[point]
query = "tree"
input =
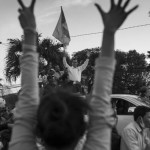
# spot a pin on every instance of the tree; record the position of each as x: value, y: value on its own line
x: 129, y: 68
x: 12, y: 69
x: 48, y: 51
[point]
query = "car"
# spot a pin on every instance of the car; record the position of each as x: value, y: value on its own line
x: 125, y: 105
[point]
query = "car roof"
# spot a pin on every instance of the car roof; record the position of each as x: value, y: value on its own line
x: 134, y: 99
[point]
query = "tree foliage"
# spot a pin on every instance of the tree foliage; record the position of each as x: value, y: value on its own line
x: 129, y: 68
x: 128, y: 74
x: 12, y: 69
x: 49, y: 51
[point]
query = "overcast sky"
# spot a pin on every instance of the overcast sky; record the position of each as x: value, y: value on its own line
x: 82, y: 18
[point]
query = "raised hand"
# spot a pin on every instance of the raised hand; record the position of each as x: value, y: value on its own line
x: 26, y: 17
x: 88, y: 54
x: 116, y: 15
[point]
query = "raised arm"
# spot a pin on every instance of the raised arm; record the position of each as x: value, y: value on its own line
x: 23, y: 136
x: 101, y: 122
x: 64, y: 58
x: 112, y: 22
x: 85, y: 64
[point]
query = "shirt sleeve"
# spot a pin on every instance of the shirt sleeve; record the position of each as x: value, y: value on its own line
x: 23, y: 134
x: 84, y: 65
x: 130, y: 139
x: 101, y: 121
x: 65, y: 62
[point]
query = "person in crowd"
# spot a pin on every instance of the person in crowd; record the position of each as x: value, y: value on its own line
x: 49, y: 67
x: 59, y: 116
x: 6, y: 122
x: 115, y: 137
x: 136, y: 135
x: 145, y: 94
x: 58, y: 73
x: 75, y: 72
x: 51, y: 78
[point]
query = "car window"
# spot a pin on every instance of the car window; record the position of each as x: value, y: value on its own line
x: 122, y: 106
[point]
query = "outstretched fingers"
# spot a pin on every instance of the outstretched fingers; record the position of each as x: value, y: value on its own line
x: 100, y: 9
x: 32, y: 5
x: 21, y: 4
x: 119, y: 3
x: 132, y: 9
x: 112, y: 4
x: 126, y: 4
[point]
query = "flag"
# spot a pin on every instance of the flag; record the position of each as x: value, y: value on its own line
x: 61, y: 31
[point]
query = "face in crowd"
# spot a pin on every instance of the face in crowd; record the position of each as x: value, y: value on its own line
x: 57, y: 68
x: 142, y: 116
x: 74, y: 63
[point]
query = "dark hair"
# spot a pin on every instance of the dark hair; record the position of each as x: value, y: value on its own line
x: 74, y: 59
x: 143, y: 91
x: 140, y: 111
x: 61, y: 119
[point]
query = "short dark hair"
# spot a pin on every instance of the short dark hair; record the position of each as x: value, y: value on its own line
x: 74, y: 59
x: 140, y: 111
x: 142, y: 91
x: 60, y: 118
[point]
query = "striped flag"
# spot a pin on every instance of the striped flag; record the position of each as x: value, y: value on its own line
x: 61, y: 31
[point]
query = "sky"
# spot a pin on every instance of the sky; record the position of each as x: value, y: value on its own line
x: 82, y: 18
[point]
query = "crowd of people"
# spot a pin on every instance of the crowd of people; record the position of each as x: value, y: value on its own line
x: 70, y: 78
x: 61, y: 119
x: 6, y: 122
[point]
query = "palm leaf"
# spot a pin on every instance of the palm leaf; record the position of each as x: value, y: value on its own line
x: 12, y: 69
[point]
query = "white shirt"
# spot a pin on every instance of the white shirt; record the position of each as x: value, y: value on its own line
x: 133, y: 137
x: 75, y: 73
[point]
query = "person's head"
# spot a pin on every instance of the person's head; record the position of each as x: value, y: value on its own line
x: 57, y: 68
x: 142, y: 116
x: 74, y: 63
x: 61, y: 119
x: 144, y: 91
x: 50, y: 65
x: 51, y: 72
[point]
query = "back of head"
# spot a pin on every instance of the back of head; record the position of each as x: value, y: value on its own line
x: 140, y: 111
x: 61, y: 119
x: 143, y: 91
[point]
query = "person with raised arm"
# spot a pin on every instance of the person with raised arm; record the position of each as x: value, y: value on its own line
x: 59, y: 118
x: 75, y: 71
x: 23, y: 134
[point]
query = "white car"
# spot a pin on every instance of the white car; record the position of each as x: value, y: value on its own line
x: 125, y: 105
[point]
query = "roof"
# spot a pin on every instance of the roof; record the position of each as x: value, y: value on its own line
x: 134, y: 99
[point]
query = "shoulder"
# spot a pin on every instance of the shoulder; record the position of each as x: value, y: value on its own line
x: 130, y: 128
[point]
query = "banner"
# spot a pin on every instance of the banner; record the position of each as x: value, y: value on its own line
x: 61, y: 31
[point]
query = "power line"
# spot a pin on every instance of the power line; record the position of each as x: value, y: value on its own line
x: 5, y: 44
x: 119, y: 29
x: 86, y: 34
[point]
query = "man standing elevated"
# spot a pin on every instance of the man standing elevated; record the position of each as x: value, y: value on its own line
x: 75, y: 72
